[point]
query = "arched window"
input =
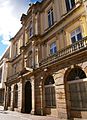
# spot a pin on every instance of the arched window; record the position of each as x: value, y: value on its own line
x: 75, y: 74
x: 50, y: 92
x: 16, y: 96
x: 77, y: 88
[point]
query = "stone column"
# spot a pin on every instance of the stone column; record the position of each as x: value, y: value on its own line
x: 6, y: 98
x: 41, y: 95
x: 33, y: 94
x: 23, y: 96
x: 12, y: 97
x: 33, y: 54
x: 20, y: 96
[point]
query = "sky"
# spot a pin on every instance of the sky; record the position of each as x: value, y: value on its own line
x: 10, y: 14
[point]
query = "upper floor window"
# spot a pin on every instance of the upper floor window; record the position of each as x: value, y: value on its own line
x: 16, y: 48
x: 50, y: 17
x: 70, y: 4
x: 76, y: 35
x: 14, y: 68
x: 30, y: 29
x: 53, y: 48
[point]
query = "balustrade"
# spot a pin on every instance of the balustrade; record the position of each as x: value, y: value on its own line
x: 79, y: 45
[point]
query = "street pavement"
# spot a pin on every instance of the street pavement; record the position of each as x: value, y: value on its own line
x: 12, y: 115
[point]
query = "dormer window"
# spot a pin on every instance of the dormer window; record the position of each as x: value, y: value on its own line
x: 70, y: 4
x: 50, y: 17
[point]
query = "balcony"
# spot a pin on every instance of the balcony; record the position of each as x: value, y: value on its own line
x: 75, y: 48
x: 13, y: 77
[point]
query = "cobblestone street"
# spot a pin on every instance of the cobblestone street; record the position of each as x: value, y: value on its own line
x: 11, y: 115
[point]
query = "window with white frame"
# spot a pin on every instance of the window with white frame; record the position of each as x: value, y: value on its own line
x: 30, y: 29
x: 50, y: 100
x: 76, y: 35
x: 50, y: 17
x: 53, y: 48
x: 70, y: 4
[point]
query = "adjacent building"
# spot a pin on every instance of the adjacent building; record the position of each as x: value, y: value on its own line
x: 3, y: 74
x: 48, y: 61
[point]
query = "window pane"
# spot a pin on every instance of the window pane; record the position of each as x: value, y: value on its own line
x: 51, y: 51
x: 53, y: 48
x: 67, y: 5
x: 47, y: 96
x: 53, y: 96
x: 50, y: 96
x: 79, y: 36
x: 73, y: 33
x: 50, y: 17
x: 73, y: 39
x: 78, y: 95
x: 49, y: 20
x: 73, y: 3
x: 78, y: 30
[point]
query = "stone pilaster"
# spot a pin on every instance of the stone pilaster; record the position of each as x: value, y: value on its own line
x: 60, y: 94
x: 12, y: 97
x: 33, y: 95
x: 20, y: 96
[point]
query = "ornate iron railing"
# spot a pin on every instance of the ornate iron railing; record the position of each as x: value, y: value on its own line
x: 75, y: 47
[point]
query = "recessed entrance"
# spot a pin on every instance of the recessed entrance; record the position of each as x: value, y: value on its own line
x: 28, y: 97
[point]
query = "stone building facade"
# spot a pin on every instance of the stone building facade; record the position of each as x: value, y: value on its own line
x: 48, y: 65
x: 3, y: 74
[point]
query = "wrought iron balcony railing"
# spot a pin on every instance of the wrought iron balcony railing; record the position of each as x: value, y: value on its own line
x: 69, y: 50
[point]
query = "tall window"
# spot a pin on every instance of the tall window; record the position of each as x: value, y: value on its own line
x: 70, y: 4
x: 14, y: 69
x: 50, y: 92
x: 53, y: 48
x: 77, y: 89
x: 76, y: 35
x: 16, y: 48
x: 15, y: 96
x: 50, y: 17
x: 30, y: 29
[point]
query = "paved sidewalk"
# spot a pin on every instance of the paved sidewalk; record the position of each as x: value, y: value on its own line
x: 12, y: 115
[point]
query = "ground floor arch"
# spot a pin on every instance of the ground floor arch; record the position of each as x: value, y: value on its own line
x: 28, y: 97
x: 76, y: 92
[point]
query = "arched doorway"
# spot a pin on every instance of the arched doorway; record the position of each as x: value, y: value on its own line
x: 28, y: 97
x: 76, y: 92
x: 15, y: 97
x: 9, y: 96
